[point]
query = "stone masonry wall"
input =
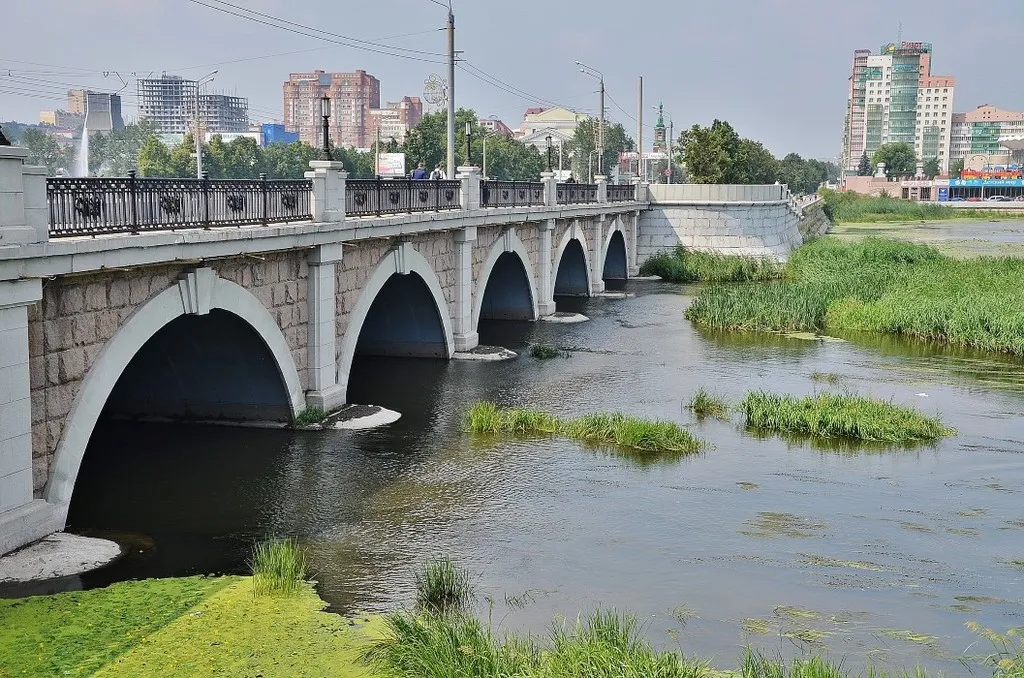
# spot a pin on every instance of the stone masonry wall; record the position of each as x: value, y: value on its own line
x: 79, y: 314
x: 763, y: 230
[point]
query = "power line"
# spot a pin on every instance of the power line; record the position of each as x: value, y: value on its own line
x: 313, y: 33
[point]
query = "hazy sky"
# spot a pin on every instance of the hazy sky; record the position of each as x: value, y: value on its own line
x: 775, y: 69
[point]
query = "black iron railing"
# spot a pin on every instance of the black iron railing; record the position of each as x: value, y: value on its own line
x: 621, y: 192
x: 511, y: 193
x: 571, y: 194
x: 365, y: 197
x: 91, y: 206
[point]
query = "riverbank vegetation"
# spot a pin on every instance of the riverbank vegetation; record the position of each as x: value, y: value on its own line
x: 884, y: 286
x: 624, y: 432
x: 547, y: 352
x: 278, y: 567
x: 856, y: 208
x: 833, y: 415
x: 683, y: 266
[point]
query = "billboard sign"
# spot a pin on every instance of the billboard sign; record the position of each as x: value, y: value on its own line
x: 978, y: 183
x: 391, y: 165
x: 943, y: 195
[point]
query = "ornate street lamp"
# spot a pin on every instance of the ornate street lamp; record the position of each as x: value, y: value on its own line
x: 469, y: 143
x: 325, y: 113
x: 550, y: 147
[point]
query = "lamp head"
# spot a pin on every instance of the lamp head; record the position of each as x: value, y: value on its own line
x: 325, y: 106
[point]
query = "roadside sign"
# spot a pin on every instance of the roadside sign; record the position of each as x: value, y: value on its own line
x: 943, y: 194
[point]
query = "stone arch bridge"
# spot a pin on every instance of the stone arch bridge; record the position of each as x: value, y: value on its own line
x: 258, y: 321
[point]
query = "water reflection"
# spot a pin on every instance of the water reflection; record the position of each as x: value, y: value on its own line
x: 916, y: 540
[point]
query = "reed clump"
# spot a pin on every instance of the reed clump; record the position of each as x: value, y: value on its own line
x: 682, y: 265
x: 629, y: 433
x: 884, y: 286
x: 547, y: 352
x: 278, y: 566
x: 605, y: 644
x: 834, y: 415
x: 442, y: 587
x: 707, y: 404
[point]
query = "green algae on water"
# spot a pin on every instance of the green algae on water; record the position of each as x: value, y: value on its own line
x: 825, y: 561
x: 772, y: 525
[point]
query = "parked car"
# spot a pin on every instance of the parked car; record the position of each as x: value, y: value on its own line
x: 957, y: 199
x: 997, y: 198
x: 974, y: 199
x: 1019, y: 198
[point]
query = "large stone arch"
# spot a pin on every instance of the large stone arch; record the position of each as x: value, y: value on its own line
x: 574, y: 232
x: 197, y: 293
x: 401, y: 260
x: 618, y: 270
x: 507, y: 242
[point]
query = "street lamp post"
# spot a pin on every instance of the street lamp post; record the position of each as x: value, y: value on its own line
x: 594, y: 73
x: 469, y: 143
x: 199, y: 139
x: 325, y: 113
x: 550, y: 148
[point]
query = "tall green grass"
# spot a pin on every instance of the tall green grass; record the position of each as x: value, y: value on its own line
x: 279, y: 566
x: 883, y: 286
x: 442, y: 587
x: 757, y: 665
x: 629, y: 433
x: 604, y: 645
x: 682, y: 265
x: 832, y: 415
x: 706, y: 404
x: 849, y: 207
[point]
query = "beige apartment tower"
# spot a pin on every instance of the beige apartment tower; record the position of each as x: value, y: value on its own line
x: 353, y: 96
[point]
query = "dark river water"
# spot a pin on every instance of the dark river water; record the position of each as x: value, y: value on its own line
x: 878, y: 556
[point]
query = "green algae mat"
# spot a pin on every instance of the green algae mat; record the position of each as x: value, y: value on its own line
x: 179, y: 627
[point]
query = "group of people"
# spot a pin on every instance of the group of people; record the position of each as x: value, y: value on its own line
x: 436, y: 174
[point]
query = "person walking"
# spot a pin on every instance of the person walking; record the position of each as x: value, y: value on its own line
x: 419, y: 173
x: 437, y: 174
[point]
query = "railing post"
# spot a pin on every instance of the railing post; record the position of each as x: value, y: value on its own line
x: 550, y: 189
x: 206, y: 199
x: 470, y: 177
x: 602, y: 187
x: 328, y: 190
x: 16, y: 221
x: 263, y: 193
x: 133, y: 200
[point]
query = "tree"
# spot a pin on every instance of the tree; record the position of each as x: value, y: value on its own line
x: 155, y: 159
x: 864, y: 167
x: 708, y: 152
x: 115, y: 153
x: 427, y: 143
x: 584, y: 143
x: 288, y: 161
x: 899, y: 159
x: 931, y: 168
x: 956, y: 167
x: 45, y: 151
x: 754, y: 164
x: 512, y: 160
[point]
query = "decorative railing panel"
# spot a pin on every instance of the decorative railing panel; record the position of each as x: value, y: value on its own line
x: 372, y: 197
x: 621, y: 192
x: 572, y: 194
x: 91, y: 206
x: 511, y: 193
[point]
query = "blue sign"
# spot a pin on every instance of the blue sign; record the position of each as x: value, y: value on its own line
x: 943, y: 194
x: 978, y: 183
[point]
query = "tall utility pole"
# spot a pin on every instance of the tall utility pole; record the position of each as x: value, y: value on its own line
x: 640, y: 128
x: 198, y: 132
x: 451, y: 92
x: 594, y: 73
x: 671, y: 127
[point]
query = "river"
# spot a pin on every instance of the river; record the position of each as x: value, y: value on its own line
x: 879, y: 556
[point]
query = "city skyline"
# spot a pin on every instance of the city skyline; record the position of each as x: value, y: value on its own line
x: 794, y: 100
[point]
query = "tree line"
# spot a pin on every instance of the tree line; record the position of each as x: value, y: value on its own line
x: 901, y: 161
x: 718, y: 155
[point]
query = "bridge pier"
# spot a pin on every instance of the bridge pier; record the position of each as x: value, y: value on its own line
x: 466, y: 338
x: 545, y: 290
x: 322, y: 368
x: 595, y: 235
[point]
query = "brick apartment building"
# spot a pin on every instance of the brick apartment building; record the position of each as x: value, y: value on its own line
x: 353, y: 97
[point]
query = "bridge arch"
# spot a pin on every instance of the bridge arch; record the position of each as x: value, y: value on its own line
x: 198, y: 294
x: 616, y: 255
x: 402, y: 270
x: 505, y: 287
x: 572, y: 265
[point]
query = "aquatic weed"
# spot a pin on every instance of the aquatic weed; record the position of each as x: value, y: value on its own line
x: 278, y: 567
x: 705, y: 404
x: 442, y: 587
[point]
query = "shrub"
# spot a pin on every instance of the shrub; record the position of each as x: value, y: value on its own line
x: 310, y: 415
